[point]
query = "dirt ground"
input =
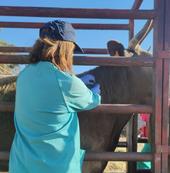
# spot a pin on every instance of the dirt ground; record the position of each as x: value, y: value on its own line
x: 119, y: 167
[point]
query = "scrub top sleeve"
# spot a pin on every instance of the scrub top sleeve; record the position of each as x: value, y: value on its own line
x: 78, y: 97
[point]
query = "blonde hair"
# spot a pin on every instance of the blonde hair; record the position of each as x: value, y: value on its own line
x: 60, y: 53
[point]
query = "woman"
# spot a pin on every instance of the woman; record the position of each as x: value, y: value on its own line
x: 48, y: 97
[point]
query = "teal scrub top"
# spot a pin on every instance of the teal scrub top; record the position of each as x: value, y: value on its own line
x: 47, y: 138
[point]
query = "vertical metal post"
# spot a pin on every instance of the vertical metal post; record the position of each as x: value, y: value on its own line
x: 136, y: 6
x: 131, y: 29
x: 132, y: 124
x: 165, y: 116
x: 165, y: 110
x: 156, y: 119
x: 132, y: 141
x: 159, y: 86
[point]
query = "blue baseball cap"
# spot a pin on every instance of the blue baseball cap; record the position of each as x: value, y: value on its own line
x: 59, y: 30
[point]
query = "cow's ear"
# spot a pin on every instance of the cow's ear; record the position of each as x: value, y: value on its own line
x: 114, y: 46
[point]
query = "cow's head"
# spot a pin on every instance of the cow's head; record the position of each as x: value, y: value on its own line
x: 117, y: 49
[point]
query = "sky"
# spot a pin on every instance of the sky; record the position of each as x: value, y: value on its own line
x: 85, y: 38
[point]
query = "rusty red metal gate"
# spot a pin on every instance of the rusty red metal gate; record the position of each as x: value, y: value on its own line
x: 160, y: 63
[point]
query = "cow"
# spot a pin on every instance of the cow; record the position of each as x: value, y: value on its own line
x: 117, y: 85
x: 99, y: 132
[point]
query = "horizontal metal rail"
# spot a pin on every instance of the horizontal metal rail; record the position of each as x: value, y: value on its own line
x: 75, y: 25
x: 76, y: 13
x: 103, y: 108
x: 114, y: 61
x: 122, y: 108
x: 123, y: 144
x: 144, y: 171
x: 12, y: 49
x: 143, y: 140
x: 107, y: 156
x: 86, y: 60
x: 118, y: 156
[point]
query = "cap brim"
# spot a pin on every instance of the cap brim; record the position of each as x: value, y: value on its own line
x: 78, y: 49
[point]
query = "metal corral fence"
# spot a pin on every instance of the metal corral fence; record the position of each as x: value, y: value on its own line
x: 159, y: 62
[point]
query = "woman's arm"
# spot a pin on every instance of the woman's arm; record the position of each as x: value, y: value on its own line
x: 78, y: 97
